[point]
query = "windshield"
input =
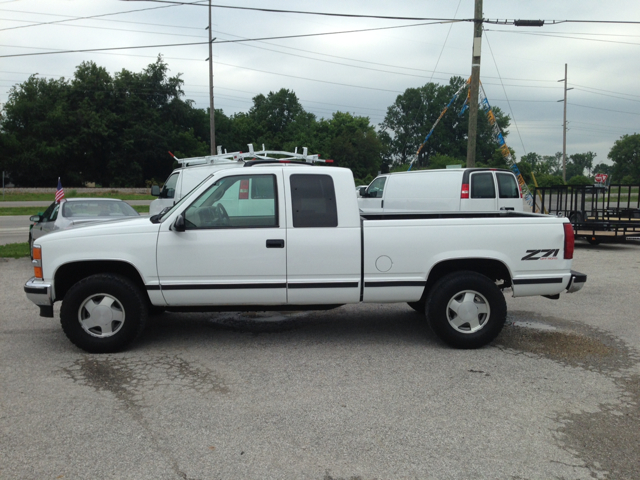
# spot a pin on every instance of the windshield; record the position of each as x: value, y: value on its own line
x: 164, y: 214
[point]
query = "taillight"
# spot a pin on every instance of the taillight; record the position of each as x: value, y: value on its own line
x: 464, y: 193
x: 569, y: 241
x: 520, y: 189
x: 37, y: 262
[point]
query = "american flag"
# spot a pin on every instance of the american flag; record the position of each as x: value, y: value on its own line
x: 59, y: 191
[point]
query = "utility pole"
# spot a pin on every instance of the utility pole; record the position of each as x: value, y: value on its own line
x: 474, y: 87
x: 564, y: 126
x: 212, y: 120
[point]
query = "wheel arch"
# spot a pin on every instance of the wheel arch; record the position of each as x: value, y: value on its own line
x: 494, y: 269
x: 69, y: 274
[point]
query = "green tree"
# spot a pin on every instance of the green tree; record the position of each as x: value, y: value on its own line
x: 603, y: 168
x: 531, y: 158
x: 352, y: 143
x: 413, y: 114
x: 579, y: 162
x: 579, y: 180
x: 112, y: 130
x: 625, y: 155
x: 34, y: 131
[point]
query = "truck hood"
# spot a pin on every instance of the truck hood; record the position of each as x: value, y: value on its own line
x: 102, y: 228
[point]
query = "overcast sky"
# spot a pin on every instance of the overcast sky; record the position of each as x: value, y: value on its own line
x: 359, y: 72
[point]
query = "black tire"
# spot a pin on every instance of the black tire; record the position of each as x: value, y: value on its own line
x: 466, y: 309
x: 418, y: 306
x: 119, y: 313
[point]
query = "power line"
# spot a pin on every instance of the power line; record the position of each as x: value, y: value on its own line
x: 505, y: 94
x: 216, y: 42
x: 348, y: 15
x: 605, y: 109
x: 101, y: 19
x: 124, y: 30
x: 300, y: 12
x: 565, y: 37
x: 607, y: 95
x: 86, y: 18
x: 558, y: 22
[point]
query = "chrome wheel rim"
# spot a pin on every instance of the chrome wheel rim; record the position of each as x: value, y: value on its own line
x: 101, y: 315
x: 468, y: 311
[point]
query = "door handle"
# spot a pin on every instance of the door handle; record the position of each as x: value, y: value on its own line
x: 275, y: 243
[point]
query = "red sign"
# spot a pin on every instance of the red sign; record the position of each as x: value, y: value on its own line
x: 601, y: 178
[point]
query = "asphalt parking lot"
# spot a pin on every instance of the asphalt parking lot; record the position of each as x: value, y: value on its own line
x: 358, y: 393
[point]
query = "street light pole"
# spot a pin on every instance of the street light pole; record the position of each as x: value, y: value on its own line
x: 474, y: 87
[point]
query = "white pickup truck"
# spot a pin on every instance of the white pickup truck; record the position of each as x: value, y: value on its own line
x: 287, y: 236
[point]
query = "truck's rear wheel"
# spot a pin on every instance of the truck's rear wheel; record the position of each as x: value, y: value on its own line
x: 466, y: 309
x: 103, y: 313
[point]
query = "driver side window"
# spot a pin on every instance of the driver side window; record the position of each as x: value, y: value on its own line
x: 240, y: 201
x: 376, y: 188
x: 169, y: 187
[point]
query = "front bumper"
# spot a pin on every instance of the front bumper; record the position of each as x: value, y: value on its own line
x: 40, y: 293
x: 576, y: 282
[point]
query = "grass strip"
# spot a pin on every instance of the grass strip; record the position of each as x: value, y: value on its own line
x: 15, y: 250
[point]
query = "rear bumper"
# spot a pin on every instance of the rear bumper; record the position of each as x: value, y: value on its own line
x: 576, y: 282
x: 40, y: 293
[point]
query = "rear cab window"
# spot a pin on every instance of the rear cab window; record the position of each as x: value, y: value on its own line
x: 313, y: 201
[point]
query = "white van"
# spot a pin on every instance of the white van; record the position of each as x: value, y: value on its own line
x: 181, y: 181
x: 448, y: 190
x: 194, y: 170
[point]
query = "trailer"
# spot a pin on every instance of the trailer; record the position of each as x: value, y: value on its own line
x: 599, y: 213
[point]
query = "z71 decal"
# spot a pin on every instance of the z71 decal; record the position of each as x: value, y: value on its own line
x: 541, y: 254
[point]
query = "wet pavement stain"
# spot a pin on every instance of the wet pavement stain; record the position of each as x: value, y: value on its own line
x: 606, y: 441
x: 127, y: 377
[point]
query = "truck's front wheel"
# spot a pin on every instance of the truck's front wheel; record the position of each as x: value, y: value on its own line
x: 103, y: 313
x: 466, y: 309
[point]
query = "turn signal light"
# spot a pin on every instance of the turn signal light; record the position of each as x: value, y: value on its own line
x: 37, y: 262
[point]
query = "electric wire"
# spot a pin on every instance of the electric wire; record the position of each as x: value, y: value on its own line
x: 505, y: 94
x: 535, y: 34
x: 300, y: 12
x: 86, y: 18
x: 110, y: 20
x: 384, y: 17
x: 216, y: 42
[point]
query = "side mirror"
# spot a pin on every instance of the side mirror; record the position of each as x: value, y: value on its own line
x: 35, y: 218
x: 362, y: 191
x: 155, y: 190
x: 178, y: 225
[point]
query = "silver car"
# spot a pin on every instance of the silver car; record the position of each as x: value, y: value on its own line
x: 74, y: 211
